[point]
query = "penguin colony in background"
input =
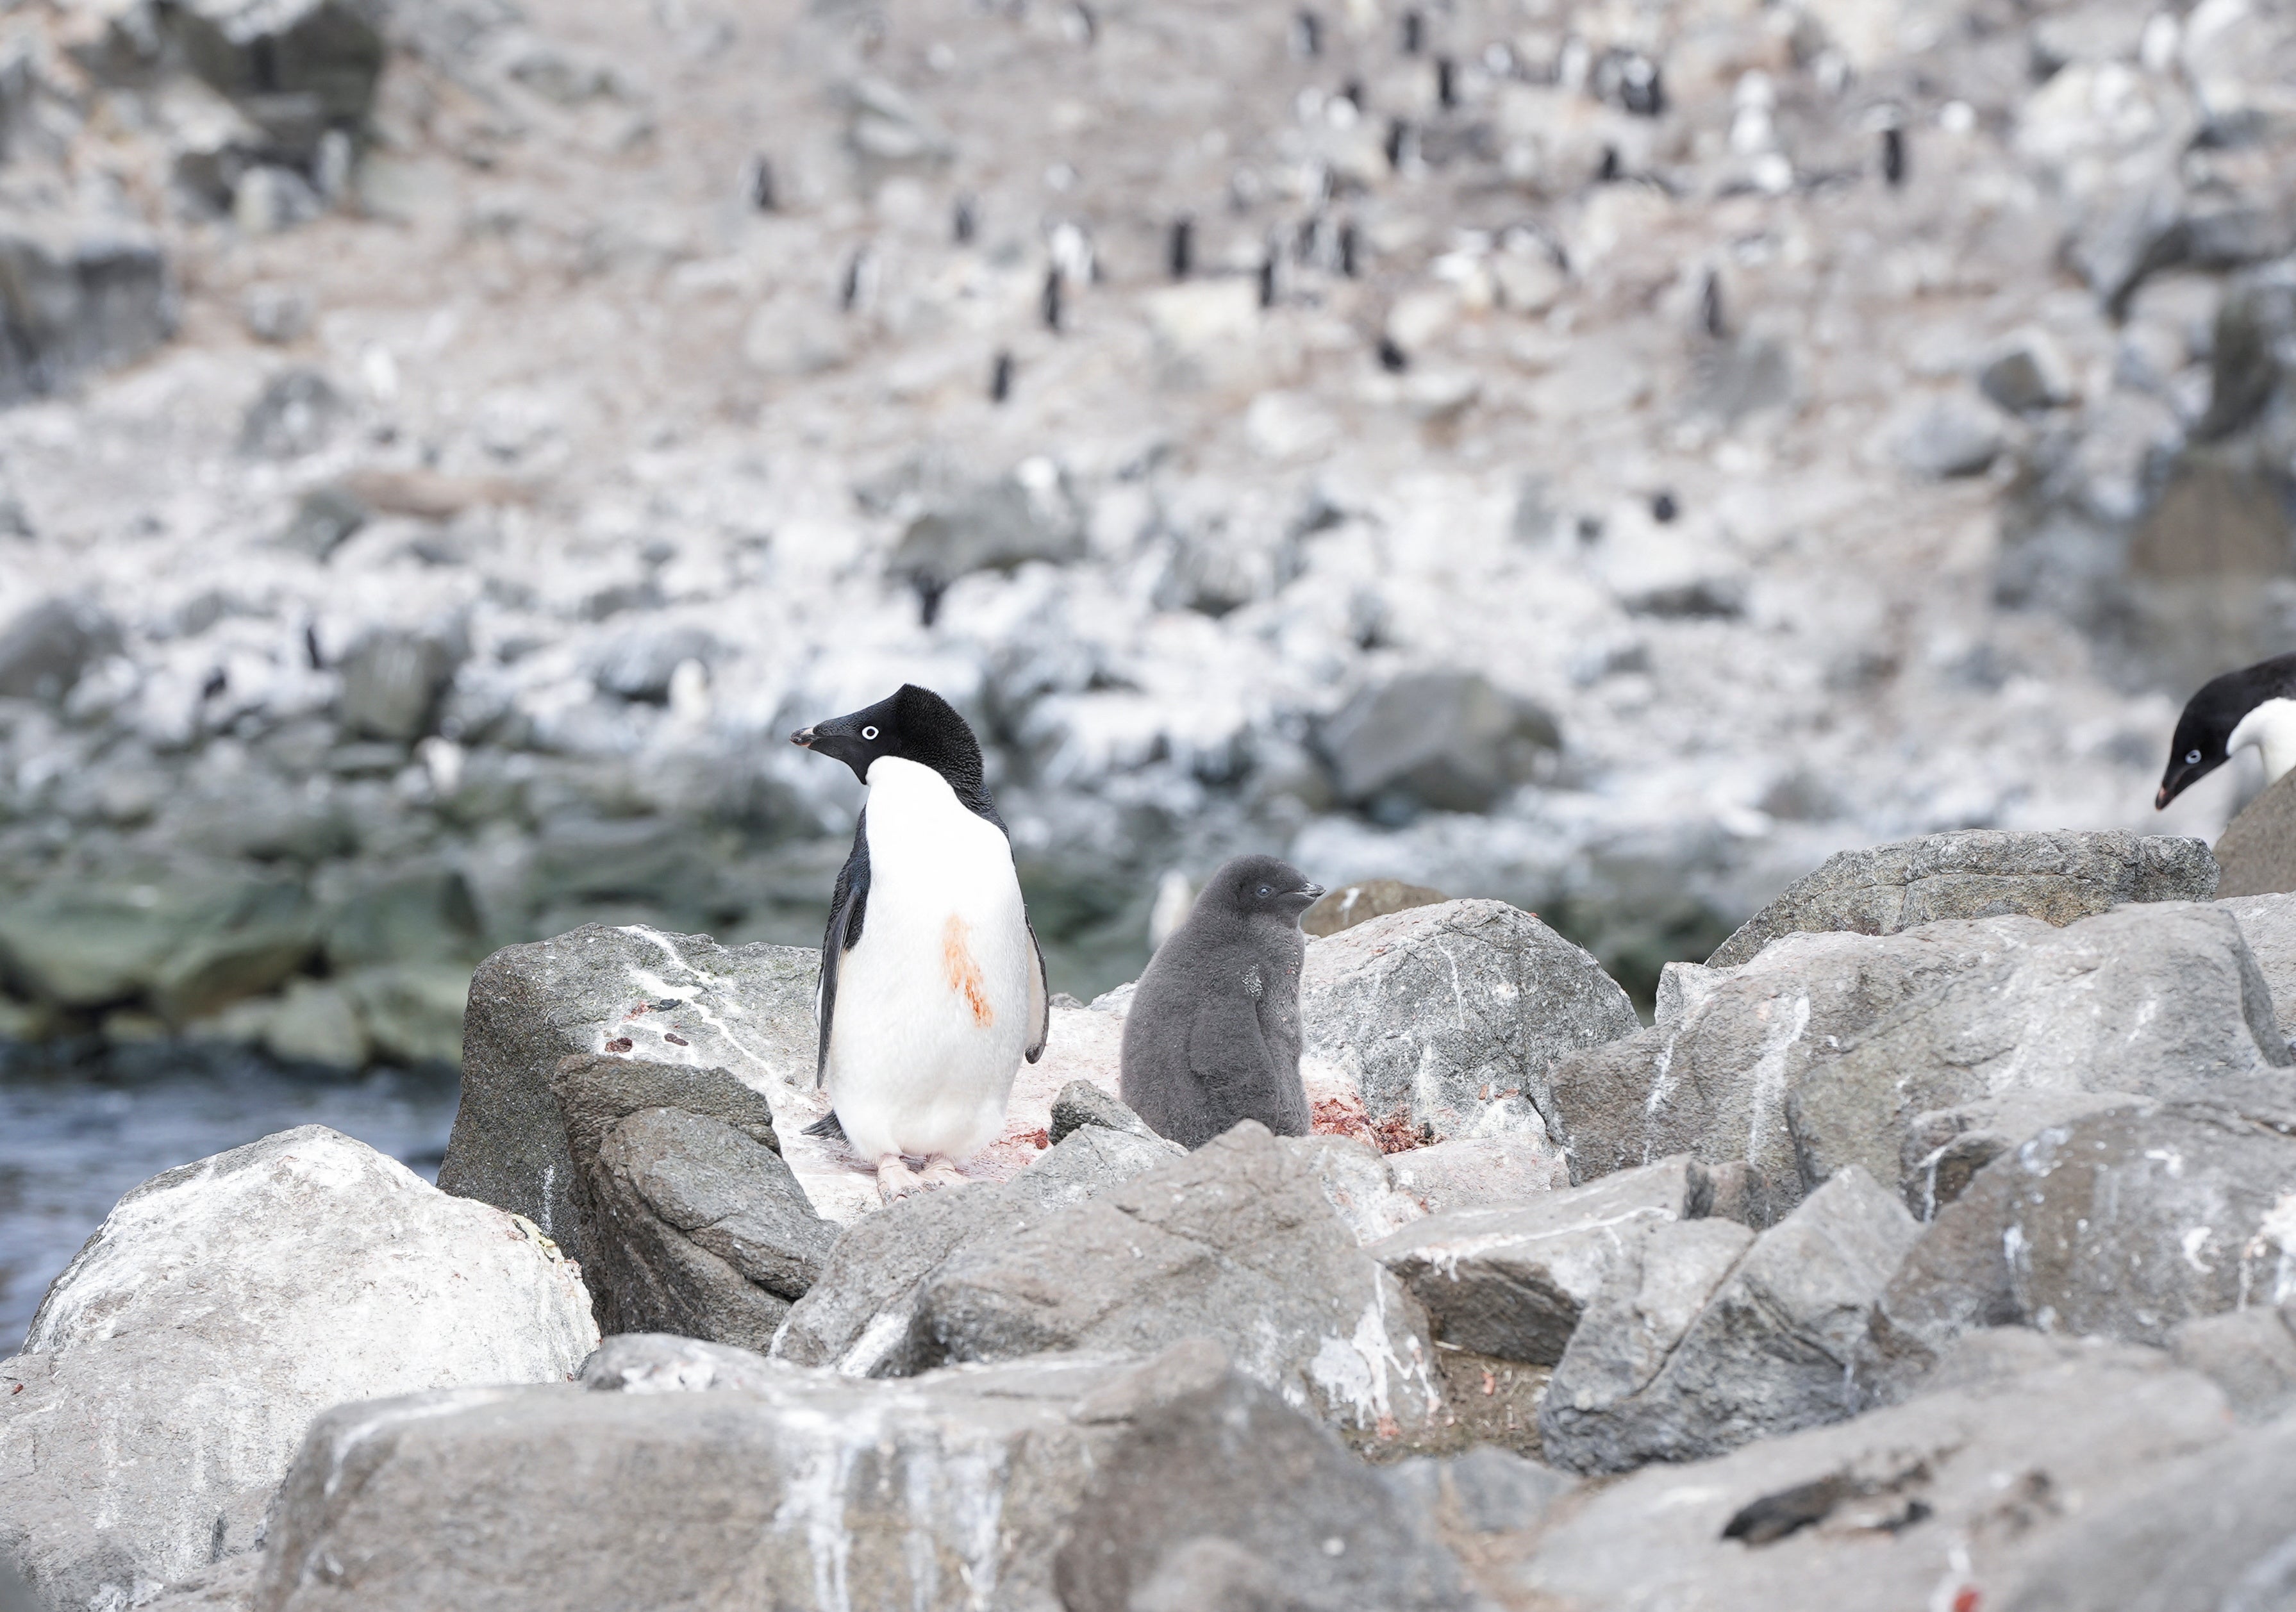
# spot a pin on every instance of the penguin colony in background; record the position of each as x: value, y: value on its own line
x: 2254, y: 706
x: 933, y: 988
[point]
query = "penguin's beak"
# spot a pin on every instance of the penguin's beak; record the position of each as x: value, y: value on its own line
x: 1314, y: 892
x: 802, y: 739
x: 2160, y: 801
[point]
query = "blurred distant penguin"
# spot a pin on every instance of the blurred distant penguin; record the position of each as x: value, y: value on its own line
x: 2255, y: 706
x: 1173, y: 901
x: 932, y: 985
x: 1213, y: 1034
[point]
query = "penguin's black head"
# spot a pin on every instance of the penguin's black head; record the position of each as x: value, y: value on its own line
x: 1257, y: 885
x: 2203, y: 740
x: 914, y: 724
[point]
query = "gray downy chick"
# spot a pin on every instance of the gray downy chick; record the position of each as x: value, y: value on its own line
x: 1213, y: 1036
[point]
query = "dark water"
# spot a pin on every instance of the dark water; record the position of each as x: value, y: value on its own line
x: 79, y: 1127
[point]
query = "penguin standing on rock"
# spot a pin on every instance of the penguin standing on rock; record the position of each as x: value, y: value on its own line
x: 933, y: 985
x: 1213, y: 1034
x: 2254, y: 706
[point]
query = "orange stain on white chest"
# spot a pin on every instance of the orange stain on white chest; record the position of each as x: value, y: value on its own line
x: 964, y: 973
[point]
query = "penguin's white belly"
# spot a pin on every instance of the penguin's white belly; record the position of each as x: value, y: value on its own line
x: 932, y: 1004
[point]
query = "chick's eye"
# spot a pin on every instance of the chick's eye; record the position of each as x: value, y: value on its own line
x: 870, y: 732
x: 1264, y: 890
x: 2192, y: 758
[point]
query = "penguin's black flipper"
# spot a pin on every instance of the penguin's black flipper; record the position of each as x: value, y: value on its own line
x: 828, y: 1126
x: 1227, y: 1050
x: 1040, y: 1001
x: 848, y: 905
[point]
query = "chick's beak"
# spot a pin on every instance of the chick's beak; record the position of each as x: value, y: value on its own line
x: 802, y: 739
x: 1312, y: 892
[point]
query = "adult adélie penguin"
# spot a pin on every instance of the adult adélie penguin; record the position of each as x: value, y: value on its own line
x: 932, y: 985
x: 2254, y: 706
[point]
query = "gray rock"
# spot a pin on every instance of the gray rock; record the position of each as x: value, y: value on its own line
x: 2056, y: 876
x: 655, y: 1488
x: 2027, y: 375
x: 639, y: 663
x: 78, y: 297
x: 996, y: 526
x: 45, y: 649
x: 1226, y: 1498
x: 1081, y: 1103
x: 1439, y: 1011
x: 1513, y: 1282
x: 1236, y: 1242
x: 2212, y: 1530
x: 1484, y: 1171
x: 2249, y: 359
x: 1033, y: 1486
x: 296, y: 413
x: 1902, y: 1509
x: 1920, y: 1054
x: 1770, y: 1351
x: 859, y: 1314
x: 746, y: 1008
x: 1446, y: 740
x: 325, y: 518
x: 2257, y: 848
x: 1953, y: 436
x: 303, y: 63
x: 1485, y: 1491
x: 2267, y: 923
x: 691, y: 1222
x: 393, y: 681
x: 2122, y: 1224
x: 2250, y: 1354
x: 410, y: 914
x: 172, y: 1370
x: 1349, y: 904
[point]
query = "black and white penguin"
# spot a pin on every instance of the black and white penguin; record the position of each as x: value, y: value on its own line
x: 933, y: 985
x: 2256, y: 705
x: 1213, y: 1034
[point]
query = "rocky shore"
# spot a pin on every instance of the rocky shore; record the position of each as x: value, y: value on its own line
x: 1937, y: 1252
x: 1602, y: 461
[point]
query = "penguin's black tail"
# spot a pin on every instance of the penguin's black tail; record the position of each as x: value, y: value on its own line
x: 827, y: 1126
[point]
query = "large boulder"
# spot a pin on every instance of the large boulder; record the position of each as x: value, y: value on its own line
x: 78, y: 296
x: 681, y: 1000
x: 1237, y: 1241
x: 2057, y: 877
x: 691, y: 1222
x: 2267, y: 923
x: 1438, y: 1012
x: 1921, y: 1055
x: 859, y: 1314
x: 393, y: 678
x: 2212, y: 1530
x: 1512, y: 1281
x: 173, y: 1368
x: 298, y: 66
x: 2257, y: 848
x: 1446, y: 740
x: 1770, y: 1350
x: 682, y: 1474
x: 44, y: 648
x: 2122, y: 1224
x: 1948, y: 1500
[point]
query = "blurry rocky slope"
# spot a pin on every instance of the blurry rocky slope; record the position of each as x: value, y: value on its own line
x: 1603, y: 456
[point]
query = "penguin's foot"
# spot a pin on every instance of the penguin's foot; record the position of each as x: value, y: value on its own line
x: 895, y: 1179
x: 940, y: 1171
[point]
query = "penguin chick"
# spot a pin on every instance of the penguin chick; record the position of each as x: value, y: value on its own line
x: 932, y: 985
x: 2254, y: 706
x: 1213, y: 1036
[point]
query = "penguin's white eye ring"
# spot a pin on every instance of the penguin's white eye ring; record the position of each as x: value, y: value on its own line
x: 2192, y: 758
x: 869, y: 732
